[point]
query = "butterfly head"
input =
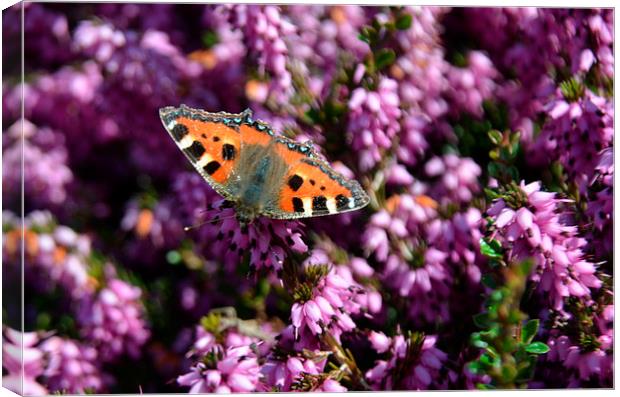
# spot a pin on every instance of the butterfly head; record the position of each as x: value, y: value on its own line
x: 246, y: 214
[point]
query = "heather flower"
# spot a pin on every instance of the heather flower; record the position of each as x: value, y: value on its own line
x: 459, y: 238
x: 413, y: 142
x: 233, y: 370
x: 98, y: 41
x: 576, y: 131
x: 23, y: 361
x: 264, y: 29
x: 57, y: 252
x: 458, y: 178
x: 156, y: 229
x: 600, y: 203
x: 325, y: 301
x: 113, y: 320
x: 227, y: 358
x: 322, y: 34
x: 412, y: 363
x: 46, y: 35
x: 373, y: 121
x: 47, y: 176
x: 264, y: 239
x: 299, y: 374
x: 69, y: 88
x: 71, y: 366
x: 532, y: 224
x: 591, y: 357
x: 421, y: 72
x: 471, y: 85
x: 222, y: 237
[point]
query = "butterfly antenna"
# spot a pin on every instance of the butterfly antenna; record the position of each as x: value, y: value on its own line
x: 216, y: 219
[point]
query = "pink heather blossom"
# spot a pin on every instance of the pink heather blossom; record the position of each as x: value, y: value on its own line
x: 264, y: 29
x: 58, y: 253
x: 23, y: 366
x: 288, y: 375
x: 334, y: 299
x: 471, y: 85
x: 418, y: 373
x: 589, y: 359
x: 537, y: 230
x: 458, y: 178
x: 421, y: 70
x: 71, y: 367
x: 373, y: 121
x: 114, y: 320
x: 600, y: 203
x: 576, y: 133
x: 233, y: 370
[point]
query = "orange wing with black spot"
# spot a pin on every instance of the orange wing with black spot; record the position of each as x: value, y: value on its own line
x: 312, y: 187
x: 211, y: 141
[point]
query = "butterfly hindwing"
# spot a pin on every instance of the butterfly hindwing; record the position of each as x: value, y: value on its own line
x: 210, y: 143
x: 313, y: 188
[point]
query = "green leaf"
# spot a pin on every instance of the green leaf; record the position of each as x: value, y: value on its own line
x: 491, y: 194
x: 490, y: 249
x: 537, y: 348
x: 404, y: 22
x: 485, y: 386
x: 493, y: 169
x: 509, y: 372
x: 495, y: 136
x: 526, y: 370
x: 489, y: 281
x: 480, y: 344
x: 474, y: 367
x: 488, y: 360
x: 482, y: 320
x: 525, y: 267
x: 173, y: 257
x: 209, y: 39
x: 529, y: 331
x: 384, y: 58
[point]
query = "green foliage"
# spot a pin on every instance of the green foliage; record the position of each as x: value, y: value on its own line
x: 508, y: 353
x: 572, y: 89
x: 209, y: 38
x: 403, y: 22
x: 491, y: 248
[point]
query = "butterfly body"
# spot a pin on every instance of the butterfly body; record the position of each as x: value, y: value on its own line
x: 261, y: 173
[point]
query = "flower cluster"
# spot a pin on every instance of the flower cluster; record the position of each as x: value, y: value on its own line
x: 533, y: 224
x: 413, y: 363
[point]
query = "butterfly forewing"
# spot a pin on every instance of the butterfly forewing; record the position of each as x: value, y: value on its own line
x: 209, y: 144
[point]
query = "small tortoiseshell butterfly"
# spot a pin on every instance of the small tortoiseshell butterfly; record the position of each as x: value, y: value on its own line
x: 261, y: 173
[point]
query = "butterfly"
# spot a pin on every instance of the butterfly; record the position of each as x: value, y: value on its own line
x: 259, y: 172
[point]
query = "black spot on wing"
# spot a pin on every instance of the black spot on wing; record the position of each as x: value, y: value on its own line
x: 195, y: 151
x: 319, y: 204
x: 342, y: 202
x: 228, y: 151
x: 211, y: 167
x: 295, y: 182
x: 179, y: 131
x: 298, y: 205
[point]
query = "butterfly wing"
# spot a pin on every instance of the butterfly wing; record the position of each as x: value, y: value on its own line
x: 312, y: 187
x: 211, y: 142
